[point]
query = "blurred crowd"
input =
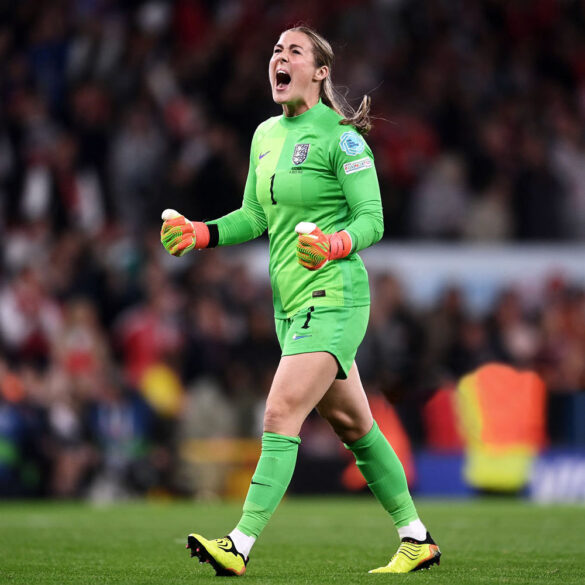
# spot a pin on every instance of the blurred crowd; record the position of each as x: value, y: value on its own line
x: 113, y: 357
x: 112, y: 111
x: 112, y: 353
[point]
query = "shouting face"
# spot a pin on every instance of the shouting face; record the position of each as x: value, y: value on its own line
x: 295, y: 79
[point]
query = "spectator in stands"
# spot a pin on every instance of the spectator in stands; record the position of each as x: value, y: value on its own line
x: 30, y: 318
x: 107, y: 108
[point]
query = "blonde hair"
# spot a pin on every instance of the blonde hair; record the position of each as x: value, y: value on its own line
x: 324, y: 56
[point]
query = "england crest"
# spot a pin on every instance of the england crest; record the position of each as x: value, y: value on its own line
x: 300, y: 153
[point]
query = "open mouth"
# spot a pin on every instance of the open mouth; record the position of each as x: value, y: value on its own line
x: 282, y: 79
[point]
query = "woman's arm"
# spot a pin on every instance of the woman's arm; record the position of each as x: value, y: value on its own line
x: 357, y: 177
x: 180, y: 235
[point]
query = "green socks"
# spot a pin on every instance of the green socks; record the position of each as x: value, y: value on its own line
x: 270, y: 481
x: 374, y: 456
x: 384, y: 473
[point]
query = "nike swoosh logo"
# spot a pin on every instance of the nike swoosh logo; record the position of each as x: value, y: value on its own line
x: 295, y: 337
x: 263, y: 155
x: 258, y: 483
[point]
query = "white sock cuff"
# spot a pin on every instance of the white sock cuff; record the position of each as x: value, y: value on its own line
x: 243, y: 542
x: 416, y: 529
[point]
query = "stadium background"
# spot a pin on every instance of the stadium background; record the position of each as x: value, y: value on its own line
x: 124, y: 371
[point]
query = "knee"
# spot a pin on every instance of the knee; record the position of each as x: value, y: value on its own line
x: 349, y: 429
x: 281, y: 417
x: 273, y: 416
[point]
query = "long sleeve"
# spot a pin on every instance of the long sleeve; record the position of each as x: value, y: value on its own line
x: 357, y: 176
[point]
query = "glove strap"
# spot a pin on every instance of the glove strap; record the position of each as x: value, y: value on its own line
x: 340, y: 245
x: 202, y: 235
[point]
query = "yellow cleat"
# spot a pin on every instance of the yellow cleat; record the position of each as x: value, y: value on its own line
x: 220, y: 553
x: 412, y: 555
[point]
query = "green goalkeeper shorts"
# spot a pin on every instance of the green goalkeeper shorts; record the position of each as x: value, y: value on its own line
x: 337, y: 330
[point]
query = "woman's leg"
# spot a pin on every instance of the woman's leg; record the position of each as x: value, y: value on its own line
x: 345, y: 406
x: 299, y: 384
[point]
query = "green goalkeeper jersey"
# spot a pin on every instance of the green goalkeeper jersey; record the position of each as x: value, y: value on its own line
x: 309, y: 168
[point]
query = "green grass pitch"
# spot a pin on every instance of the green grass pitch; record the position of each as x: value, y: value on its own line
x: 309, y: 541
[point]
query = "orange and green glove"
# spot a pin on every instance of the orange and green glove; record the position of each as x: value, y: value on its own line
x: 315, y: 249
x: 179, y: 235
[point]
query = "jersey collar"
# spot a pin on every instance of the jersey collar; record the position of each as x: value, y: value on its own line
x: 309, y: 116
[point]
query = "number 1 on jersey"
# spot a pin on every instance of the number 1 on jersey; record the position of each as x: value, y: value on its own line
x: 272, y: 189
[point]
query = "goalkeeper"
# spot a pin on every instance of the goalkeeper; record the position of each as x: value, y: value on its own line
x: 313, y: 185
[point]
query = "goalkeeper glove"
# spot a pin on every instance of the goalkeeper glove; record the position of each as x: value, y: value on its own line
x: 315, y: 249
x: 179, y: 235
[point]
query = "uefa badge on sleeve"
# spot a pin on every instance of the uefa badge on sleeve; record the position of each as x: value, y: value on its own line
x: 300, y: 153
x: 352, y: 143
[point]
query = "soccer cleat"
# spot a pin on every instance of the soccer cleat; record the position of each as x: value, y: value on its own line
x: 412, y: 555
x: 221, y: 553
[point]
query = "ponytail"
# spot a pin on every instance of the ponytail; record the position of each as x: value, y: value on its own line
x: 359, y: 118
x: 323, y: 54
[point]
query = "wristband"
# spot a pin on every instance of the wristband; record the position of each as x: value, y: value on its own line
x: 340, y: 245
x: 202, y: 235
